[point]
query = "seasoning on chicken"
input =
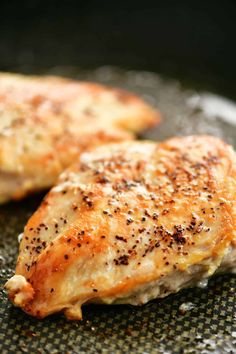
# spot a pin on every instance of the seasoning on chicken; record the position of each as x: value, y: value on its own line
x: 46, y: 122
x: 128, y: 223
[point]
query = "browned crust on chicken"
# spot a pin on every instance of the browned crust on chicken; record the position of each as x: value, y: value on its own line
x: 46, y: 122
x: 128, y: 223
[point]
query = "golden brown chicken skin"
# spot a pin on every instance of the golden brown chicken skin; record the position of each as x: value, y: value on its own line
x: 128, y: 223
x: 46, y: 122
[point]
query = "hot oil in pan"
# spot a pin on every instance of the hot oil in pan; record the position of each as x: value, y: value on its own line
x: 207, y: 326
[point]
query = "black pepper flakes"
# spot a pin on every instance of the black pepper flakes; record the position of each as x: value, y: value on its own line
x: 154, y: 216
x: 120, y: 238
x: 122, y: 260
x: 129, y: 221
x: 165, y: 211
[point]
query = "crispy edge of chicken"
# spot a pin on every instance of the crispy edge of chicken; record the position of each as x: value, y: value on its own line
x: 129, y: 223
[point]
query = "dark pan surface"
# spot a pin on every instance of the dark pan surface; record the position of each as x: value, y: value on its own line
x: 160, y: 326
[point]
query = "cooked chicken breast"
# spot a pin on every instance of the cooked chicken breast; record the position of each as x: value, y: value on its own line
x: 46, y: 122
x: 128, y: 223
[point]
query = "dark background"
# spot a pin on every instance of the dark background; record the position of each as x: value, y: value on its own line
x: 193, y: 41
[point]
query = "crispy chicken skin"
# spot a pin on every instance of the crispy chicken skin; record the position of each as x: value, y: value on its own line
x: 128, y: 223
x: 46, y: 122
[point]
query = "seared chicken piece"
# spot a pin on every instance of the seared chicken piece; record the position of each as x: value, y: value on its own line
x: 46, y: 122
x: 128, y: 223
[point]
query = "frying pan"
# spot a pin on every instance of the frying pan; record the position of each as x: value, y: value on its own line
x: 191, y: 48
